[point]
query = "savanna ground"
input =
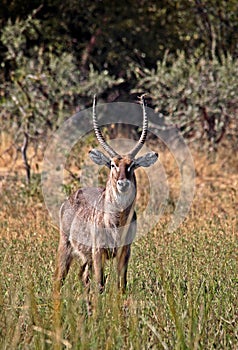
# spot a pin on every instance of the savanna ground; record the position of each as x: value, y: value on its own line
x: 182, y: 286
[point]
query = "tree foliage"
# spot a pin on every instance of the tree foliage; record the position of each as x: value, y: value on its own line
x: 55, y: 55
x: 197, y: 96
x: 42, y: 88
x: 113, y: 34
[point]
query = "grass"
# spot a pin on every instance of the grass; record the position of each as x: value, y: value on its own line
x: 182, y: 286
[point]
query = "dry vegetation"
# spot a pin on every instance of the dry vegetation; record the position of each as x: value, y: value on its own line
x: 182, y: 291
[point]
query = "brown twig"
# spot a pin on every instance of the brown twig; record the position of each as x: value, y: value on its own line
x: 24, y: 157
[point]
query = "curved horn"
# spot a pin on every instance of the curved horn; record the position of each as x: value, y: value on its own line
x: 98, y: 133
x: 142, y: 139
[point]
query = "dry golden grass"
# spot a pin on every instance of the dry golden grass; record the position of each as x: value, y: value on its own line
x: 182, y: 291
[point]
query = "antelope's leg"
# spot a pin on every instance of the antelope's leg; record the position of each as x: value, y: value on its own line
x: 122, y: 265
x: 98, y: 265
x: 85, y: 275
x: 64, y: 259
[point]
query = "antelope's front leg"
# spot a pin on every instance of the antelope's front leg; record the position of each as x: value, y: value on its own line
x: 64, y: 259
x: 122, y: 265
x: 98, y: 265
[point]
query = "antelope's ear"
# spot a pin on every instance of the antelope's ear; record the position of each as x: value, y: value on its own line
x: 146, y: 160
x: 99, y: 158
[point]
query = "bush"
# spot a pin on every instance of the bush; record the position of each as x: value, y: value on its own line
x: 198, y: 96
x: 44, y: 86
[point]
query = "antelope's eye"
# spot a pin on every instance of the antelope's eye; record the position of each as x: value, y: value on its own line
x: 113, y: 166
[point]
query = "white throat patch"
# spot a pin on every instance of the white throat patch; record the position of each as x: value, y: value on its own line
x: 124, y: 199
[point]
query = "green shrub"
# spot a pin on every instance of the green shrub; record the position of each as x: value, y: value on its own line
x: 44, y: 87
x: 198, y: 96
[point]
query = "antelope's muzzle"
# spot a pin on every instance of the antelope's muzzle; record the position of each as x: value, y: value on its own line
x: 123, y: 185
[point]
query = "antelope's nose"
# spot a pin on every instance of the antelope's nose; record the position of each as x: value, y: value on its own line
x: 123, y: 185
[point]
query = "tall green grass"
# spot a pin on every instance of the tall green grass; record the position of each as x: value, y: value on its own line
x: 182, y: 287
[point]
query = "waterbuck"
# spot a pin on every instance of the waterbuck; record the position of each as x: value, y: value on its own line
x: 97, y: 223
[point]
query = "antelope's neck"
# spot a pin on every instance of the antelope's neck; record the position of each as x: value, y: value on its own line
x: 119, y: 204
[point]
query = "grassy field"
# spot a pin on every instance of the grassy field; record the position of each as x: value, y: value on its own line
x: 182, y: 286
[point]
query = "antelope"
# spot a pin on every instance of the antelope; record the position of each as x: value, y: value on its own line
x: 97, y: 223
